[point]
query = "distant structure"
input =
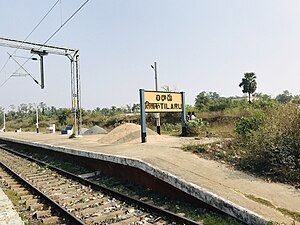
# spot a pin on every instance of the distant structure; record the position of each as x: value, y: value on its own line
x: 244, y: 98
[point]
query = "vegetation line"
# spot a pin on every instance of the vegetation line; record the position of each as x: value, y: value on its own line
x: 292, y: 214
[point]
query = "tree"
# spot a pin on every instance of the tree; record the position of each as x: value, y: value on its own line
x: 62, y: 115
x: 285, y: 97
x: 202, y: 101
x: 211, y: 101
x: 249, y: 84
x: 135, y: 108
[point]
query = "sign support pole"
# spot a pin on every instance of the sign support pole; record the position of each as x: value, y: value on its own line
x: 143, y: 116
x: 183, y: 116
x: 156, y: 89
x: 4, y: 121
x: 37, y: 119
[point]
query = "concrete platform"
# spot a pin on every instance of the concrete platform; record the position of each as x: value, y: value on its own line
x: 8, y: 215
x: 210, y: 181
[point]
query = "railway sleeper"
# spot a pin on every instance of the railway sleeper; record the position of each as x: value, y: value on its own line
x: 62, y: 191
x: 10, y: 182
x: 90, y: 211
x: 90, y: 203
x: 32, y: 201
x: 38, y: 206
x: 39, y: 181
x: 26, y: 197
x: 51, y: 220
x: 42, y: 214
x: 14, y: 186
x: 130, y: 220
x: 19, y: 189
x: 107, y: 217
x: 23, y: 193
x: 58, y: 185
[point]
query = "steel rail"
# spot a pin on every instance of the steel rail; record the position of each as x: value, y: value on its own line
x: 61, y: 211
x: 152, y: 208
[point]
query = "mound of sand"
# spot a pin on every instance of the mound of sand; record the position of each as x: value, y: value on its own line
x: 95, y: 130
x: 126, y: 133
x: 82, y: 130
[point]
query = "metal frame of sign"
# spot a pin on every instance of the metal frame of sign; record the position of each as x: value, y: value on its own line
x: 143, y: 113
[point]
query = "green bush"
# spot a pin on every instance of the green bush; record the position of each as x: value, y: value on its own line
x: 170, y: 128
x: 273, y: 150
x: 247, y: 125
x: 195, y: 127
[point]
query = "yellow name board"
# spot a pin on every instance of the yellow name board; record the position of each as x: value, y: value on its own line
x: 162, y: 101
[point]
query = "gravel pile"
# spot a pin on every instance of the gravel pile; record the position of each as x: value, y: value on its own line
x: 95, y: 130
x: 125, y: 133
x: 82, y: 130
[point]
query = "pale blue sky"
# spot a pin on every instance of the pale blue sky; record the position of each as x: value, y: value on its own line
x: 198, y: 45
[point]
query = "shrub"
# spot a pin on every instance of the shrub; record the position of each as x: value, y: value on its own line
x: 247, y: 125
x: 195, y: 127
x: 274, y: 148
x: 172, y: 128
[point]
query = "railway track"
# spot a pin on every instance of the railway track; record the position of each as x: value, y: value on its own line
x: 30, y: 203
x: 73, y: 200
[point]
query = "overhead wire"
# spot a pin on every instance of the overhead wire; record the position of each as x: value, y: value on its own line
x: 5, y: 81
x: 24, y: 70
x: 61, y: 26
x: 27, y: 73
x: 2, y: 68
x: 37, y: 25
x: 61, y: 19
x: 30, y: 34
x: 8, y: 77
x: 22, y: 65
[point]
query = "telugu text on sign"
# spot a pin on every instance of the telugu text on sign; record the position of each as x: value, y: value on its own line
x: 162, y: 101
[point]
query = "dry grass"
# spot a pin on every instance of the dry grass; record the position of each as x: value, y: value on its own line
x: 294, y: 215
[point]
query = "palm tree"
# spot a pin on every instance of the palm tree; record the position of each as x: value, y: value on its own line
x: 249, y: 84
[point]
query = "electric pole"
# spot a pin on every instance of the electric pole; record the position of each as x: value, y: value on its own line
x: 37, y: 119
x: 3, y: 121
x: 157, y: 116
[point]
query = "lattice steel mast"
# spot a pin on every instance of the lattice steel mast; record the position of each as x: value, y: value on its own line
x: 73, y: 55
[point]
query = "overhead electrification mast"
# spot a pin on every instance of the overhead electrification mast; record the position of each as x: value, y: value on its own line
x: 43, y: 50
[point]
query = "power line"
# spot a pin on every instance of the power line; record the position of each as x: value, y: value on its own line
x: 56, y: 32
x: 5, y: 81
x: 38, y: 24
x: 23, y: 69
x: 9, y: 76
x: 14, y: 74
x: 30, y: 33
x: 65, y: 22
x: 4, y: 64
x: 61, y: 19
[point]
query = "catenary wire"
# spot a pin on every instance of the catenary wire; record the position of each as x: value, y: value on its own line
x: 60, y: 4
x: 37, y: 25
x: 24, y: 70
x: 22, y: 65
x: 5, y: 81
x: 30, y: 34
x: 55, y: 32
x: 4, y: 64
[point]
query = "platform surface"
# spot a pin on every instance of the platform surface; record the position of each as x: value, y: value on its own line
x: 8, y: 214
x: 213, y: 176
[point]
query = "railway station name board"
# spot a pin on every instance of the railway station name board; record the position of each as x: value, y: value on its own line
x: 162, y: 101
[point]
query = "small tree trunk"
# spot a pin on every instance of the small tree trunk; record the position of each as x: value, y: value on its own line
x: 249, y: 99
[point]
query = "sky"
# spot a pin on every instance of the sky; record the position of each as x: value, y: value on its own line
x: 198, y: 46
